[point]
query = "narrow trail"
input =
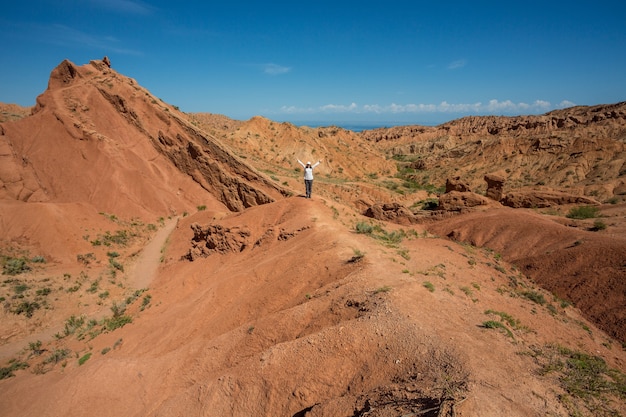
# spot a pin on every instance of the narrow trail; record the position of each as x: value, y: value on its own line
x: 145, y: 268
x: 140, y: 275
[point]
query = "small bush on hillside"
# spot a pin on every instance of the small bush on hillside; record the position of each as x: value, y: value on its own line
x: 534, y: 296
x: 388, y: 238
x: 84, y: 358
x: 583, y: 212
x: 14, y: 365
x: 364, y: 228
x: 587, y: 379
x: 57, y: 356
x: 492, y: 324
x: 26, y: 308
x: 598, y: 225
x: 15, y: 266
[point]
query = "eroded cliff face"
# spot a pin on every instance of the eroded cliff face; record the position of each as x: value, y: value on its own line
x: 93, y: 121
x: 580, y: 149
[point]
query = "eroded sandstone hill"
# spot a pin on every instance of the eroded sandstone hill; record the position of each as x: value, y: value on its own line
x: 580, y: 149
x: 93, y: 132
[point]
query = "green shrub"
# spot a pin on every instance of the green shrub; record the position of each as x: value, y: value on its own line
x: 15, y: 266
x: 73, y: 324
x: 492, y: 324
x: 429, y: 286
x: 583, y: 212
x: 84, y: 358
x: 383, y: 289
x: 585, y: 377
x: 364, y: 228
x: 534, y: 296
x: 507, y: 318
x: 598, y: 225
x: 113, y: 323
x: 26, y: 308
x: 57, y: 356
x: 14, y: 365
x: 35, y: 347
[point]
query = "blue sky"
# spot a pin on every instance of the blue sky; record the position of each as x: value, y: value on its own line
x: 321, y: 61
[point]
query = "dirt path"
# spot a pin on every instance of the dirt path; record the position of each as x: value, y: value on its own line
x: 145, y: 268
x: 140, y: 275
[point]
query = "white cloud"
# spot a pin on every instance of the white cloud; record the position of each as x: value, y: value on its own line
x: 274, y: 69
x: 457, y: 64
x: 565, y: 103
x: 492, y: 107
x: 339, y: 108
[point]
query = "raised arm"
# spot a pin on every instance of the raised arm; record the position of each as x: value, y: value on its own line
x: 316, y: 164
x: 301, y: 163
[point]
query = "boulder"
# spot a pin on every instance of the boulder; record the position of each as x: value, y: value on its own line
x: 455, y: 184
x: 495, y: 184
x: 457, y: 201
x: 393, y: 212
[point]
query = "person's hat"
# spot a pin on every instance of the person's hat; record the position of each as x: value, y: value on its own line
x: 308, y: 163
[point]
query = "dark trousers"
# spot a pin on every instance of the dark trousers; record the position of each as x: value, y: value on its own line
x: 308, y: 185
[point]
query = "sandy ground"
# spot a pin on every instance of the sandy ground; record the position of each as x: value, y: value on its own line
x: 290, y: 325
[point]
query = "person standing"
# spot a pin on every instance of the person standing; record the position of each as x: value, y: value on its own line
x: 308, y: 176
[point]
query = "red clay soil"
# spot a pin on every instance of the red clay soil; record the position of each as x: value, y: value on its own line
x: 295, y: 324
x: 574, y: 262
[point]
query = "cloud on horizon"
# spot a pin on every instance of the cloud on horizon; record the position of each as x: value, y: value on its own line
x: 492, y: 107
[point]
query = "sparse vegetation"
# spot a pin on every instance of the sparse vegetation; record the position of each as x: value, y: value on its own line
x: 146, y: 302
x: 120, y: 237
x: 119, y: 319
x: 393, y: 238
x: 429, y: 286
x: 14, y: 266
x: 505, y: 317
x: 14, y: 365
x: 492, y: 324
x: 57, y: 356
x: 598, y: 225
x: 84, y: 358
x: 590, y: 383
x: 583, y: 212
x: 382, y: 289
x: 534, y: 296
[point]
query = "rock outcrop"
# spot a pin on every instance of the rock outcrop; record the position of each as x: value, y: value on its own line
x: 459, y: 201
x: 495, y: 185
x: 98, y: 121
x: 393, y: 212
x: 456, y: 184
